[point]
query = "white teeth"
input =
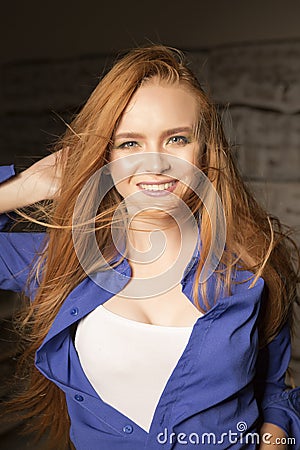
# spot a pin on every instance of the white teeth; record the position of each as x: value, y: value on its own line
x: 157, y: 187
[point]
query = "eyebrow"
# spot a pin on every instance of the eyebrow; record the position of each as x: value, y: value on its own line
x: 129, y: 135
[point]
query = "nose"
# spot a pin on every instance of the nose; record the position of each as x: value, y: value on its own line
x: 156, y: 162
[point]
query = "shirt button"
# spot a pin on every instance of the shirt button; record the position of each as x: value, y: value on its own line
x: 78, y: 397
x: 128, y: 429
x: 74, y: 311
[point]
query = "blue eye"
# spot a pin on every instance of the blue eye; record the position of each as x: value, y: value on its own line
x: 128, y: 144
x: 181, y: 140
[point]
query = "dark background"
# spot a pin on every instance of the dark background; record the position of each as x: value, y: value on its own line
x: 63, y: 29
x: 247, y: 54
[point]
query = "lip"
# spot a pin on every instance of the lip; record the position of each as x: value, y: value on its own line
x: 158, y: 193
x: 170, y: 180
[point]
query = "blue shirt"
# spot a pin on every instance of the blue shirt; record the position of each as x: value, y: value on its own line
x: 220, y: 391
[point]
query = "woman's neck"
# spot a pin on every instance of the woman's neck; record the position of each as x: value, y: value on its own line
x: 153, y: 247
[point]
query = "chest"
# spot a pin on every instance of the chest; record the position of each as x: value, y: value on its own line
x: 171, y: 308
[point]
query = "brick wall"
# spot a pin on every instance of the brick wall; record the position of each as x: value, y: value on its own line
x: 259, y: 88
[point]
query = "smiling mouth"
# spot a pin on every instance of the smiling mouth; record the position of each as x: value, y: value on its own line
x: 158, y: 187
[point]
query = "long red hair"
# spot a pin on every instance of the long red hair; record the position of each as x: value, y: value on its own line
x: 254, y: 240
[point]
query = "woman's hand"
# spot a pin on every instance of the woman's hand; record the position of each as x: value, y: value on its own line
x: 272, y: 437
x: 41, y: 181
x: 46, y: 175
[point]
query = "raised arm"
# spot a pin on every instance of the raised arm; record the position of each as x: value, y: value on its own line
x: 18, y: 249
x: 41, y: 181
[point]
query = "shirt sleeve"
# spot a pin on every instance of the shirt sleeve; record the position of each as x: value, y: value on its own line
x: 18, y: 250
x: 280, y: 404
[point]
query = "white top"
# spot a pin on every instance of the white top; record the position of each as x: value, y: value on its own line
x: 128, y: 363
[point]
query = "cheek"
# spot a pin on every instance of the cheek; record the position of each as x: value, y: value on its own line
x: 122, y: 186
x: 194, y: 154
x: 188, y: 156
x: 185, y: 167
x: 122, y: 168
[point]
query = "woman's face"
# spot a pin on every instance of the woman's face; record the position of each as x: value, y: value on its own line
x: 154, y: 146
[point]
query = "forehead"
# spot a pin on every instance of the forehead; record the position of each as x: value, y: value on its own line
x: 162, y: 103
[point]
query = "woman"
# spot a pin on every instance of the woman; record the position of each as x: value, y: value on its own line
x: 162, y: 291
